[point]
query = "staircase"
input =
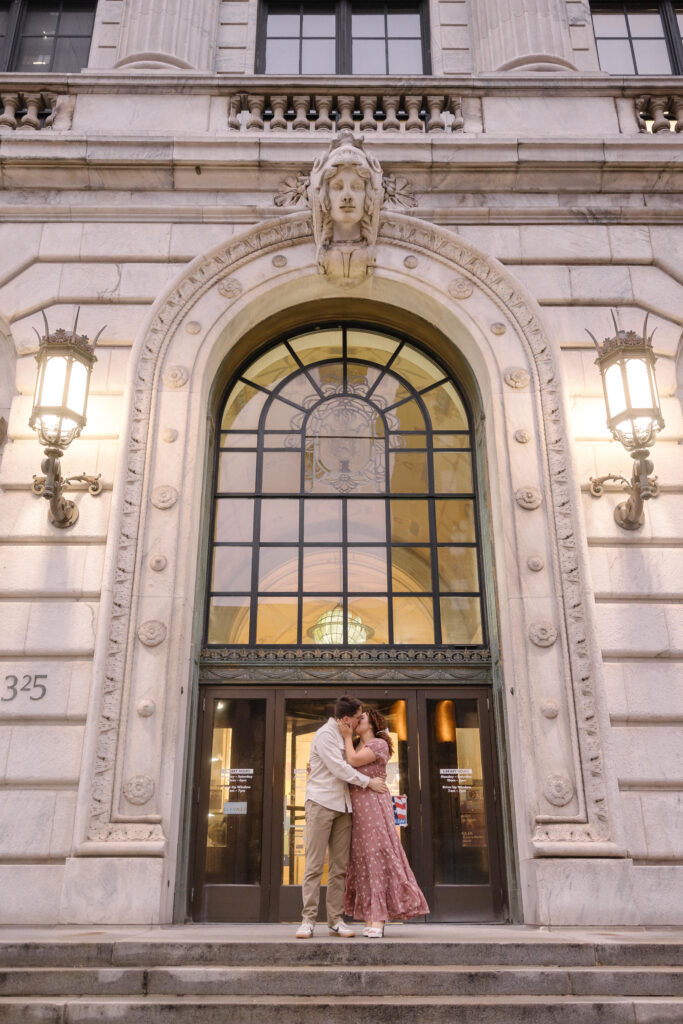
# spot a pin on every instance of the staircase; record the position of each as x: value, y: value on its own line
x: 162, y: 977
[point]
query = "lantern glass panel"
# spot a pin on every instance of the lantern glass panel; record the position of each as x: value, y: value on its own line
x: 638, y: 380
x: 78, y: 389
x: 614, y: 386
x: 53, y: 381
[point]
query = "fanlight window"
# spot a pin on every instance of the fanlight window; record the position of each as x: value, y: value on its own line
x: 344, y: 505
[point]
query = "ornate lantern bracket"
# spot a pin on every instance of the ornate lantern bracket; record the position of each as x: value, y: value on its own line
x: 626, y: 363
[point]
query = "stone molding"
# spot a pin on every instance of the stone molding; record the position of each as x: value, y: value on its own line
x: 551, y: 835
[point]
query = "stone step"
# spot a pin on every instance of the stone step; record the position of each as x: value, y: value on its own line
x: 310, y: 981
x: 344, y: 1010
x: 339, y: 952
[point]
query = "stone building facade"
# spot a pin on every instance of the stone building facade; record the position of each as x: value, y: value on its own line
x: 520, y: 193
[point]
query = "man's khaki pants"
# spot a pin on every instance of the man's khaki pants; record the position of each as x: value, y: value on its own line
x: 326, y: 830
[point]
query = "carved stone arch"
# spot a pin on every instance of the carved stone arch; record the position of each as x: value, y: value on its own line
x: 146, y: 618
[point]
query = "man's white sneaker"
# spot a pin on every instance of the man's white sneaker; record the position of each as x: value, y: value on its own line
x: 342, y: 929
x: 305, y: 930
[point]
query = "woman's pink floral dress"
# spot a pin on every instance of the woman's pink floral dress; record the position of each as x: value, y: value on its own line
x: 379, y: 883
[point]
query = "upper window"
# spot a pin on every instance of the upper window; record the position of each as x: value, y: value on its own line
x: 343, y: 37
x: 45, y: 37
x: 639, y: 38
x: 344, y: 503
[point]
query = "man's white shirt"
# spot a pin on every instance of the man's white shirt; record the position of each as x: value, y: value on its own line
x: 330, y: 771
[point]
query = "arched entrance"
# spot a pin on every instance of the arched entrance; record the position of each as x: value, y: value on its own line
x: 344, y: 523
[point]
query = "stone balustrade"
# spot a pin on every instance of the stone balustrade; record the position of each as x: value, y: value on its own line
x: 660, y: 113
x: 21, y: 110
x: 329, y: 112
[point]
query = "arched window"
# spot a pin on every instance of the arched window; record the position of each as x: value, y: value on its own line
x: 344, y: 499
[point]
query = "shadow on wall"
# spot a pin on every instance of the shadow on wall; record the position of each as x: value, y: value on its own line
x: 679, y: 370
x: 8, y: 361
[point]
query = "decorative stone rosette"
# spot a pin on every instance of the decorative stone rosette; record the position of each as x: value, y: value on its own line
x: 139, y: 789
x: 543, y: 634
x: 528, y: 498
x: 558, y: 789
x: 152, y: 633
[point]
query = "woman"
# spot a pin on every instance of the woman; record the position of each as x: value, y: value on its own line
x: 379, y: 883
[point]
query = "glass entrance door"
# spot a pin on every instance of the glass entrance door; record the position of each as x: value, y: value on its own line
x: 250, y: 811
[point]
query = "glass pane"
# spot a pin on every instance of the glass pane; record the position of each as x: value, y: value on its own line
x: 243, y: 408
x: 34, y: 54
x: 376, y: 348
x: 236, y: 471
x: 611, y: 24
x: 76, y: 20
x: 446, y: 410
x: 229, y: 620
x: 410, y: 521
x: 231, y: 569
x: 318, y: 57
x: 71, y: 54
x: 648, y: 25
x: 679, y: 18
x: 411, y: 570
x: 281, y: 472
x: 367, y: 26
x: 408, y: 416
x: 41, y: 19
x: 344, y: 447
x: 461, y: 620
x: 408, y: 472
x: 367, y: 569
x: 282, y: 439
x: 233, y: 838
x: 458, y: 569
x: 272, y: 367
x: 280, y: 519
x: 372, y: 612
x: 399, y: 441
x: 329, y: 377
x: 323, y: 570
x: 405, y: 57
x: 302, y: 719
x: 300, y: 390
x: 322, y: 620
x: 615, y: 56
x: 403, y: 25
x: 389, y: 391
x: 616, y: 396
x: 282, y: 57
x: 318, y: 345
x: 319, y: 25
x: 452, y: 472
x: 276, y: 619
x: 413, y: 620
x: 366, y: 520
x: 278, y: 569
x: 283, y: 416
x: 455, y: 521
x: 360, y: 377
x: 283, y: 25
x: 459, y: 834
x: 416, y: 368
x: 235, y: 440
x: 234, y: 519
x: 652, y: 57
x: 368, y: 57
x: 4, y: 19
x: 451, y: 440
x: 322, y: 520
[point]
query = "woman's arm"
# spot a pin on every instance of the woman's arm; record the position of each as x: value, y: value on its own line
x: 356, y: 758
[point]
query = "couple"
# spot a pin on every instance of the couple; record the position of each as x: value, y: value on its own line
x: 378, y: 885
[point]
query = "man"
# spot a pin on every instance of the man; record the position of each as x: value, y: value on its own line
x: 328, y: 819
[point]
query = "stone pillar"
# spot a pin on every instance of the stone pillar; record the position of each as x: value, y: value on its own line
x: 168, y: 34
x: 521, y: 35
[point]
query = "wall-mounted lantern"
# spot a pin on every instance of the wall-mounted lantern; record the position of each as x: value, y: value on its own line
x: 627, y: 366
x: 65, y: 361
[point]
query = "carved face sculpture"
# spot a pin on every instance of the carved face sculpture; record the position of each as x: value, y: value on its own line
x: 346, y: 192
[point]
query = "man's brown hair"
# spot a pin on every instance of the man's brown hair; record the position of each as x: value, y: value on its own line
x: 347, y: 706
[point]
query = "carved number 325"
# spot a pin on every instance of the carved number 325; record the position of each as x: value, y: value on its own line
x: 28, y: 683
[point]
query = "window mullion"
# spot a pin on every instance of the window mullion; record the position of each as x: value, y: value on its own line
x: 672, y: 34
x: 344, y: 43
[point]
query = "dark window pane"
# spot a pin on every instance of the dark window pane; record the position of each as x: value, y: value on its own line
x: 4, y: 21
x: 646, y: 25
x: 71, y: 54
x: 317, y: 56
x: 368, y: 57
x: 34, y: 55
x: 615, y: 56
x: 41, y: 20
x: 405, y: 57
x: 402, y: 26
x: 282, y: 57
x: 319, y: 25
x: 76, y: 20
x: 283, y: 25
x: 612, y: 25
x: 367, y: 26
x: 652, y: 57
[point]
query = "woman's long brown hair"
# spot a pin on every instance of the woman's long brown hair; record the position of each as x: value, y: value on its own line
x: 379, y: 727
